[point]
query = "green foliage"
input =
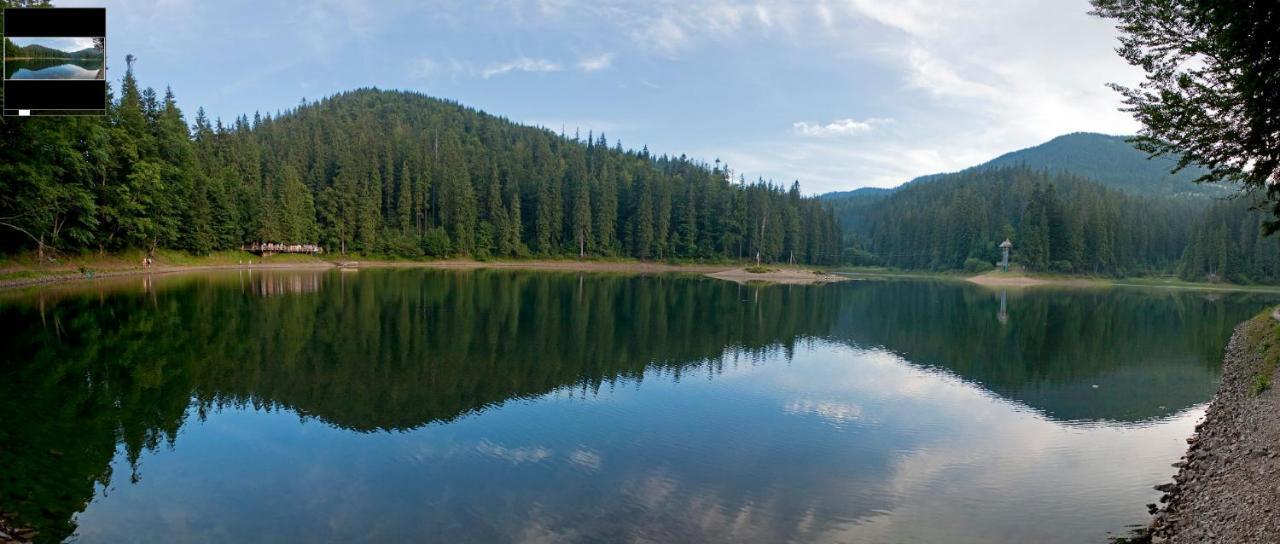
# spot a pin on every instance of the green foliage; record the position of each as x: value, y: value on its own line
x: 391, y: 173
x: 860, y: 257
x: 1056, y: 222
x: 759, y: 269
x: 398, y: 244
x: 1228, y: 243
x: 1212, y: 70
x: 1113, y: 161
x: 1261, y: 383
x: 436, y: 243
x: 974, y: 265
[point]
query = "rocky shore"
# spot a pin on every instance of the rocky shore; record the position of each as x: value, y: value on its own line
x: 10, y: 533
x: 1227, y: 488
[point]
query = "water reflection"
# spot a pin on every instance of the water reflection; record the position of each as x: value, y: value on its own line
x: 659, y: 408
x: 54, y: 69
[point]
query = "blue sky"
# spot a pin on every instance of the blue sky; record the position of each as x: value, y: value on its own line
x: 837, y: 94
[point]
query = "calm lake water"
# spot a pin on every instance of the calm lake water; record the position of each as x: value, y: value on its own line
x: 54, y: 69
x: 490, y: 406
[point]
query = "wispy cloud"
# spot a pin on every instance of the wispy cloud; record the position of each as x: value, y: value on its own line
x: 839, y: 127
x: 428, y: 67
x: 598, y: 62
x: 522, y: 64
x: 516, y: 456
x: 424, y: 67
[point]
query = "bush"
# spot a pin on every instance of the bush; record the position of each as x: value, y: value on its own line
x: 436, y: 243
x: 1261, y: 383
x: 859, y: 257
x: 759, y: 269
x: 1062, y: 266
x: 977, y: 265
x: 398, y: 245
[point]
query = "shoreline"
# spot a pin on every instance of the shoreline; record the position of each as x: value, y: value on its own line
x: 783, y: 275
x: 1227, y: 488
x: 67, y: 275
x: 22, y: 274
x: 1002, y: 279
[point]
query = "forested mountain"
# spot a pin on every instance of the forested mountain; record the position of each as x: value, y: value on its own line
x: 862, y: 192
x: 1062, y: 223
x: 1112, y: 161
x: 1080, y: 203
x: 1057, y: 222
x: 1109, y: 160
x: 385, y: 173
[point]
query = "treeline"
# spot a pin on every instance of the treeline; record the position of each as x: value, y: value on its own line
x: 1227, y: 244
x: 1057, y: 222
x: 384, y: 173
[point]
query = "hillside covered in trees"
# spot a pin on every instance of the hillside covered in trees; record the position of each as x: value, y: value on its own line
x: 1112, y: 161
x: 1062, y: 223
x: 383, y: 173
x: 1080, y: 203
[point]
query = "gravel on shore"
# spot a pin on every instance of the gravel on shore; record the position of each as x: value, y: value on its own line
x: 785, y: 276
x: 1227, y: 488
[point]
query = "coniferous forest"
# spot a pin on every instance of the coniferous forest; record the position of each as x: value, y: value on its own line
x: 1058, y: 222
x: 383, y: 173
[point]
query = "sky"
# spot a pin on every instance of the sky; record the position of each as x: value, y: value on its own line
x: 838, y: 94
x: 70, y: 45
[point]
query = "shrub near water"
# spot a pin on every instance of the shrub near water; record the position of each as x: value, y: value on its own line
x: 1261, y: 383
x: 977, y: 265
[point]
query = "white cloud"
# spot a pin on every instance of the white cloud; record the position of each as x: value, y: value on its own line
x: 587, y: 459
x: 516, y: 456
x: 424, y: 68
x: 976, y: 78
x: 839, y: 127
x: 522, y: 64
x: 598, y: 62
x: 837, y: 413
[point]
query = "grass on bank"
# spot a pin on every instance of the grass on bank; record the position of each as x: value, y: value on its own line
x: 1264, y: 332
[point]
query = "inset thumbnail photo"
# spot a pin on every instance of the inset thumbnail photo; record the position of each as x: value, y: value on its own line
x: 54, y: 58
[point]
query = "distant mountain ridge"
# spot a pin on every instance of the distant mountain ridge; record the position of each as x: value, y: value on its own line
x: 857, y: 193
x: 1108, y: 159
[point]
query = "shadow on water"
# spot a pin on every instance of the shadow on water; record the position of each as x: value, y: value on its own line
x: 87, y: 372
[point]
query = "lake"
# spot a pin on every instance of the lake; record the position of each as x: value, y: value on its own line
x: 54, y: 69
x: 396, y: 405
